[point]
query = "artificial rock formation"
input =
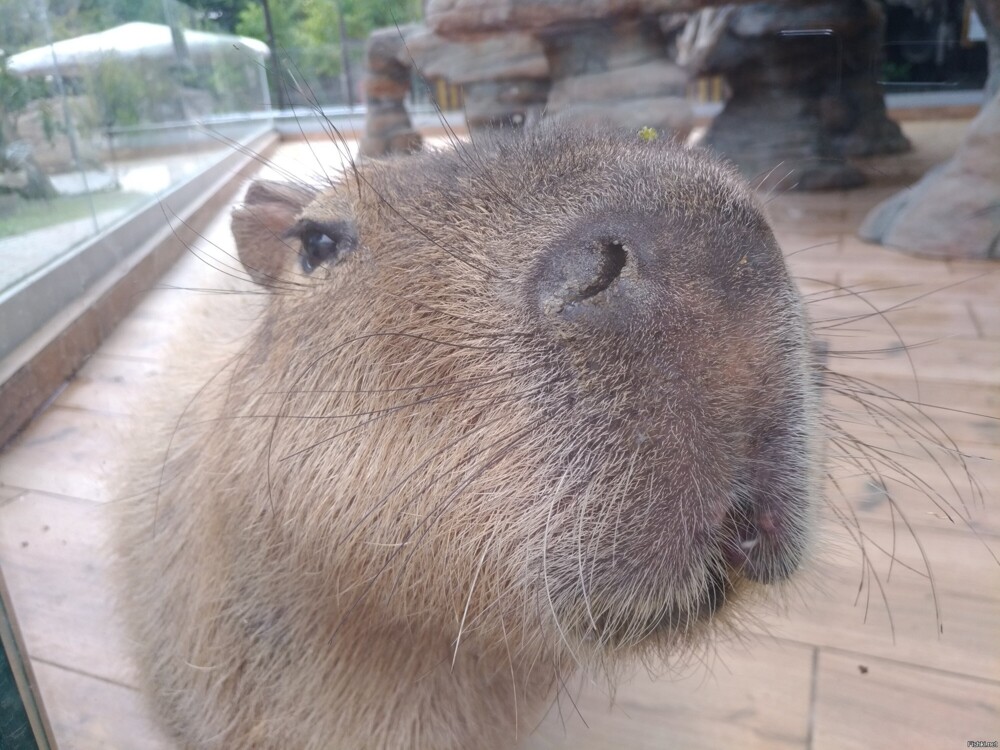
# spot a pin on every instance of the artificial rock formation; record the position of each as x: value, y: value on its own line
x: 618, y: 72
x: 803, y: 93
x: 954, y: 210
x: 505, y: 81
x: 387, y: 81
x: 505, y: 78
x: 610, y: 61
x: 456, y: 18
x: 801, y: 73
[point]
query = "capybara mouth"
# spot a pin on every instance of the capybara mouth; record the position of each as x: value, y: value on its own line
x: 632, y: 627
x: 764, y: 534
x: 716, y: 591
x: 745, y: 540
x: 758, y: 544
x: 755, y: 547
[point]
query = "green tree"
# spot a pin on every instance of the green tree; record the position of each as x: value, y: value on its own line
x: 123, y: 93
x: 117, y: 92
x: 21, y: 25
x: 19, y: 29
x: 307, y: 31
x: 14, y: 97
x: 223, y: 14
x: 363, y: 17
x: 70, y: 18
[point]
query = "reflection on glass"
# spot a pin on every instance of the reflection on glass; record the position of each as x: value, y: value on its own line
x: 101, y: 112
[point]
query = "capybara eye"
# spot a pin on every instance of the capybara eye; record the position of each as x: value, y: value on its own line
x: 323, y: 242
x: 317, y: 248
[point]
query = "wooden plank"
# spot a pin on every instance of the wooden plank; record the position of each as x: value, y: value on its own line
x: 801, y: 246
x: 933, y: 463
x: 935, y: 412
x: 91, y: 714
x: 67, y: 452
x: 54, y: 556
x: 140, y: 338
x: 848, y: 316
x: 114, y: 385
x: 866, y: 499
x: 950, y: 626
x: 864, y: 703
x: 886, y: 280
x: 986, y: 313
x: 752, y: 696
x: 954, y: 360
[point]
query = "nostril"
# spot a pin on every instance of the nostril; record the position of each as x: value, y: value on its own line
x: 613, y: 257
x: 611, y: 260
x: 589, y: 274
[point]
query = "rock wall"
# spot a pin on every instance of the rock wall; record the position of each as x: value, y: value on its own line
x: 954, y: 211
x: 505, y: 78
x: 803, y: 93
x: 619, y: 72
x: 800, y: 71
x: 387, y: 81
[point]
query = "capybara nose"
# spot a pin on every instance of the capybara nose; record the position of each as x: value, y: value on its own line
x: 581, y: 273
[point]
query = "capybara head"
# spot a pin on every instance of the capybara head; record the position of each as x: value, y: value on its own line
x: 551, y: 394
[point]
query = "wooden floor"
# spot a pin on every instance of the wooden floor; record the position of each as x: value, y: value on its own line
x: 857, y: 656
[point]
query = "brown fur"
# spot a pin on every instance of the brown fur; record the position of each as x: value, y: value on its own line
x: 444, y: 472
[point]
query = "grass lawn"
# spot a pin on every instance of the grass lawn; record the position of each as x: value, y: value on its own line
x: 18, y: 216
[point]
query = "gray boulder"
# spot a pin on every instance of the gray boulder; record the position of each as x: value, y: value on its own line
x: 954, y: 211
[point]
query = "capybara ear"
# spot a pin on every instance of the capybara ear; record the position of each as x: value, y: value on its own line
x: 260, y: 225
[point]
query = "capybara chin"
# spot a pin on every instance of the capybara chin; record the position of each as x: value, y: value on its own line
x: 539, y: 404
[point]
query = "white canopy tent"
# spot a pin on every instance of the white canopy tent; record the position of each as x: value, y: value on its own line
x: 131, y: 40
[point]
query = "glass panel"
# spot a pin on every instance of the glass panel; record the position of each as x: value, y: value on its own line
x: 101, y: 111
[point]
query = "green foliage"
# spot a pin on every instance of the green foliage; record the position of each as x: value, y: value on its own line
x: 18, y: 216
x: 19, y: 28
x: 49, y: 125
x: 320, y: 33
x: 14, y: 92
x: 69, y: 18
x: 116, y: 90
x: 125, y: 92
x: 230, y: 81
x: 362, y: 17
x: 14, y: 97
x: 896, y: 71
x: 285, y: 17
x: 308, y: 31
x: 222, y: 14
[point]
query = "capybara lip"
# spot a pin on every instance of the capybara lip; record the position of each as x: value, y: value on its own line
x: 758, y: 543
x: 673, y: 573
x: 764, y: 533
x: 631, y: 626
x: 715, y: 592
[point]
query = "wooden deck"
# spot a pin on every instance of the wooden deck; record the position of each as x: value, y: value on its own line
x: 908, y: 660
